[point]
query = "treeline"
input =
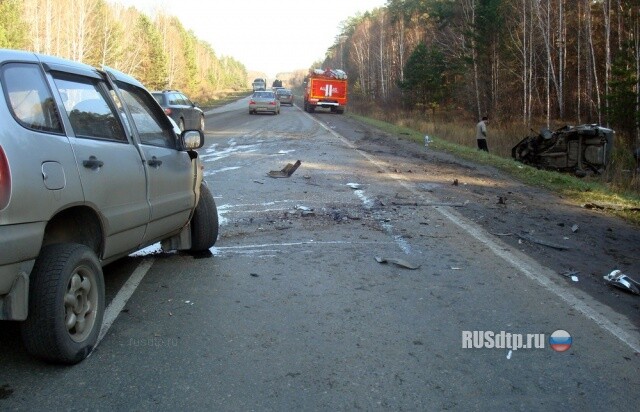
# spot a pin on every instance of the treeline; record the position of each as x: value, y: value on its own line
x: 527, y: 61
x: 158, y: 51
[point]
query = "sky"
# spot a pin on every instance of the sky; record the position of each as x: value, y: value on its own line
x: 266, y: 36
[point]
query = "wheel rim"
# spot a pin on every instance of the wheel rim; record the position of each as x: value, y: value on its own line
x: 80, y: 303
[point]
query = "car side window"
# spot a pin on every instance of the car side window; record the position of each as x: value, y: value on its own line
x: 29, y: 98
x: 174, y: 99
x: 152, y: 127
x: 186, y: 101
x: 87, y: 105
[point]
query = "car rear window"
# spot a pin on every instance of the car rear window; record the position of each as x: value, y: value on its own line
x: 29, y: 98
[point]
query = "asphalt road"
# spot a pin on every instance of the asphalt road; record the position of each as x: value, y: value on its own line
x: 292, y: 311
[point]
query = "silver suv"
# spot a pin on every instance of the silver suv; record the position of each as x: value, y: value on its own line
x: 90, y: 171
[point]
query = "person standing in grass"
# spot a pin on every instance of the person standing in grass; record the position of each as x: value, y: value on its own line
x: 481, y: 134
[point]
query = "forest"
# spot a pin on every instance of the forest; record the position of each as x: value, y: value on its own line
x: 526, y: 63
x: 159, y: 52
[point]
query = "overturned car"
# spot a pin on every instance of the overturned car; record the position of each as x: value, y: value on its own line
x: 579, y: 149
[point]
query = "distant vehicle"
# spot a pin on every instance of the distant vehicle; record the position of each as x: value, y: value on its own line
x: 259, y: 84
x: 326, y: 89
x: 264, y: 101
x: 577, y: 149
x: 276, y: 83
x: 186, y: 114
x: 285, y: 96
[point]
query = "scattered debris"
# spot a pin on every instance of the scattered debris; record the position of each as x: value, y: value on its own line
x: 354, y: 186
x: 303, y: 208
x: 286, y: 171
x: 427, y: 140
x: 509, y: 354
x: 571, y: 274
x: 399, y: 262
x: 620, y: 280
x: 610, y: 206
x: 255, y: 275
x: 430, y: 204
x: 575, y: 228
x: 257, y: 181
x: 455, y: 182
x: 502, y: 200
x: 528, y: 238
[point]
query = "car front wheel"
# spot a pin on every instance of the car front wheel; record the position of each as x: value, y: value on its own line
x: 204, y: 223
x: 66, y: 304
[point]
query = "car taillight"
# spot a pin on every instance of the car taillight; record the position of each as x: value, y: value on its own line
x: 252, y: 101
x: 5, y: 180
x: 272, y: 103
x: 167, y: 111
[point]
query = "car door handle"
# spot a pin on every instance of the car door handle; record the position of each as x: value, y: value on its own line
x: 154, y: 162
x: 93, y: 163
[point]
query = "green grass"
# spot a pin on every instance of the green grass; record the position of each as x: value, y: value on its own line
x: 619, y: 202
x: 225, y: 97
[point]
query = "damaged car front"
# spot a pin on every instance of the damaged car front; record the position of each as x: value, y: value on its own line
x: 578, y: 149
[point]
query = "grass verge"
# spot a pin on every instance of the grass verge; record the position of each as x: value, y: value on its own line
x: 587, y: 192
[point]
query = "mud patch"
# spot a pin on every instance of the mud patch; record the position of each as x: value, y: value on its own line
x: 5, y: 391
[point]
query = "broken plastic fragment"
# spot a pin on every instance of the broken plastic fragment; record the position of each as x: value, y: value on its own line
x: 286, y: 171
x: 620, y: 280
x: 354, y: 186
x: 399, y: 262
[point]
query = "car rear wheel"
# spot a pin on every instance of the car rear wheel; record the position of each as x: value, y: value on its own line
x: 204, y: 223
x: 66, y: 304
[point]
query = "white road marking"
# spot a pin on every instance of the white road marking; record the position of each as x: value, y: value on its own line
x: 122, y: 297
x: 528, y: 267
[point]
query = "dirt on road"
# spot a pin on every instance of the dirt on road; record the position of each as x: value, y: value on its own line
x: 568, y: 238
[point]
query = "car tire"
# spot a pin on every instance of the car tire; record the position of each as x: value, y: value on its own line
x: 204, y: 223
x: 202, y: 124
x: 66, y: 304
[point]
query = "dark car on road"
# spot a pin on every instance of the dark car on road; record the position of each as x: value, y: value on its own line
x: 285, y: 96
x: 186, y: 114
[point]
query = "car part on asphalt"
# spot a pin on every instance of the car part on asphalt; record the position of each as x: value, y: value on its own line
x: 620, y: 280
x: 286, y: 171
x: 399, y: 262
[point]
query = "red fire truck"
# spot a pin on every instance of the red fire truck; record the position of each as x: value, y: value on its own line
x: 326, y: 88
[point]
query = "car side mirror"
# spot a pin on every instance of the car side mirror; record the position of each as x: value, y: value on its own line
x: 191, y: 139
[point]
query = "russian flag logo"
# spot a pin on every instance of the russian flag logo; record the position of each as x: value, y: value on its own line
x: 560, y: 340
